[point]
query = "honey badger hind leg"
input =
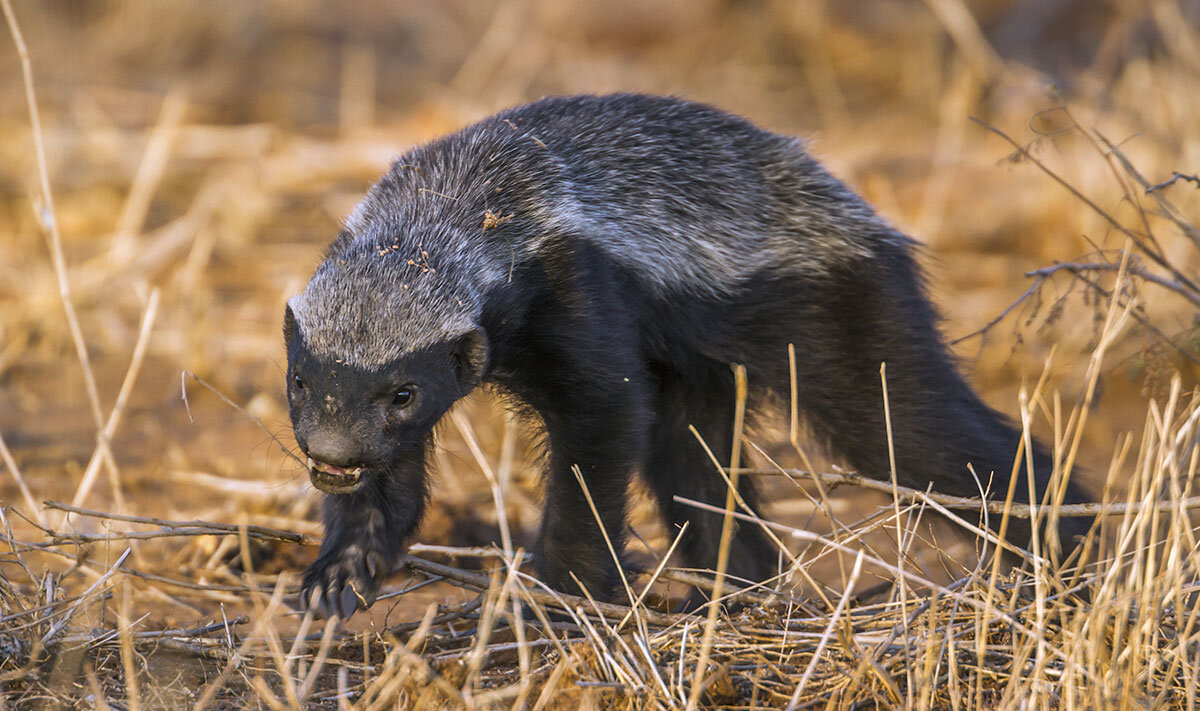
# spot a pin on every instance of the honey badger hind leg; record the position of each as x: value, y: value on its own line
x: 845, y: 324
x: 703, y: 397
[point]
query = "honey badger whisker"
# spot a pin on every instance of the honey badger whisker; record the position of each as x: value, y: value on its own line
x: 604, y: 260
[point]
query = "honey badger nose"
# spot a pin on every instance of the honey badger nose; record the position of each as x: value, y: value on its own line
x: 331, y: 447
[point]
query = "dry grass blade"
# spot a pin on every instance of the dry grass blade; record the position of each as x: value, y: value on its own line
x: 15, y: 472
x: 62, y: 622
x: 827, y: 634
x: 731, y: 495
x: 49, y: 220
x: 103, y: 455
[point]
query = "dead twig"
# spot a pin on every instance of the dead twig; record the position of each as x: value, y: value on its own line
x: 1175, y: 177
x: 1016, y: 510
x: 172, y: 528
x: 988, y: 326
x: 1137, y: 238
x: 562, y: 601
x: 1081, y: 267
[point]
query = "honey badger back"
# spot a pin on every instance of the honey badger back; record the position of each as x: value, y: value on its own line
x: 605, y: 260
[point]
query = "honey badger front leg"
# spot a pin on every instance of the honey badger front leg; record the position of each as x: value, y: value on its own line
x: 579, y: 367
x: 364, y: 536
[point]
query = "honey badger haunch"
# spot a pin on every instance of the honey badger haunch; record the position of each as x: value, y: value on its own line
x: 604, y: 260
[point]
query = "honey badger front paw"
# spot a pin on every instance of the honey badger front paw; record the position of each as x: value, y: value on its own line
x: 343, y: 579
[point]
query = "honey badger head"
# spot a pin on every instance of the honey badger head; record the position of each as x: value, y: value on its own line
x: 377, y: 352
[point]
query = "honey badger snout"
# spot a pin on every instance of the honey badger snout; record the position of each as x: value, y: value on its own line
x: 333, y: 461
x: 331, y: 447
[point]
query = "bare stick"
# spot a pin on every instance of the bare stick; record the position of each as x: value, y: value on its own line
x: 190, y: 632
x: 489, y: 551
x: 561, y: 601
x: 988, y: 326
x: 114, y: 418
x: 261, y: 532
x: 82, y: 562
x: 77, y: 538
x: 995, y: 507
x: 1138, y: 239
x: 1155, y: 191
x: 1176, y: 176
x: 1080, y: 267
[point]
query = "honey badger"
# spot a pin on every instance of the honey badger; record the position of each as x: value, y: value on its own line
x: 604, y: 260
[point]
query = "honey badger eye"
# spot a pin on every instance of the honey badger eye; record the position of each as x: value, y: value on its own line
x: 298, y: 382
x: 404, y: 395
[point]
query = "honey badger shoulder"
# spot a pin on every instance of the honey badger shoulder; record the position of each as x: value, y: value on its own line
x: 605, y: 259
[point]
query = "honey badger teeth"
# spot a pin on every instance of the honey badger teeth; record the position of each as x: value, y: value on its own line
x: 333, y: 480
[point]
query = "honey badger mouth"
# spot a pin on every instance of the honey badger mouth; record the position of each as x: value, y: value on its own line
x: 334, y: 480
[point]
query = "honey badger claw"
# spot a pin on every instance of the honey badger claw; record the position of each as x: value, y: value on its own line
x: 343, y: 582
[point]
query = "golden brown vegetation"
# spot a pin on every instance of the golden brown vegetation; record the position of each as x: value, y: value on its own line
x: 188, y: 160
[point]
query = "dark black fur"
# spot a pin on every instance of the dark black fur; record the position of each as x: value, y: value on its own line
x: 616, y: 361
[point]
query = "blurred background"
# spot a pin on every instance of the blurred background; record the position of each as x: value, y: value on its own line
x: 210, y: 149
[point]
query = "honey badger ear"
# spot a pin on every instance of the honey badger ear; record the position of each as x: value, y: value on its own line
x: 289, y: 325
x: 470, y: 359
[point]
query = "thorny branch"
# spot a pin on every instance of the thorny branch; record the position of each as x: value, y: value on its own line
x: 1138, y: 238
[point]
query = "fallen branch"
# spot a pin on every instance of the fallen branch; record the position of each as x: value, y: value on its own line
x: 176, y: 528
x: 995, y: 507
x: 480, y: 581
x: 82, y: 560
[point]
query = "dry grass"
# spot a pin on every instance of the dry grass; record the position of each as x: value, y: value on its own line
x: 186, y: 164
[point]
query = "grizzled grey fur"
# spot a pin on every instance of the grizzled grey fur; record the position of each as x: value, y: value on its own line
x: 604, y: 260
